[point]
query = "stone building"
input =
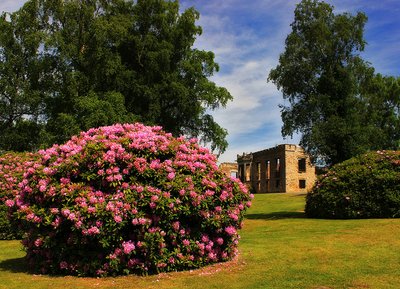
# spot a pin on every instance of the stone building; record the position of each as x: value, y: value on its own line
x: 230, y: 169
x: 284, y: 168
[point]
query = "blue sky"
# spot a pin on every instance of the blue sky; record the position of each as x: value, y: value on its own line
x: 247, y: 38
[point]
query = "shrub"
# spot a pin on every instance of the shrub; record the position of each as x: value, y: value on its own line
x: 11, y: 173
x: 128, y: 199
x: 366, y: 186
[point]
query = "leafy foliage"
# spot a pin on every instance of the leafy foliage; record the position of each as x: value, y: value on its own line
x: 91, y: 63
x: 332, y: 91
x: 12, y: 167
x: 127, y: 199
x: 366, y: 186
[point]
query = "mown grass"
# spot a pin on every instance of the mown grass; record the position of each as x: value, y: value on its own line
x: 280, y: 248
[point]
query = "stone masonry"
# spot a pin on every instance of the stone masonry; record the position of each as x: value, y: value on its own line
x: 285, y: 168
x: 230, y: 169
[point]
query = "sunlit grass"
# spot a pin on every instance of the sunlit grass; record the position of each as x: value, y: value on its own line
x: 280, y: 248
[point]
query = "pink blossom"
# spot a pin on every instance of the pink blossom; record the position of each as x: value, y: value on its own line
x: 161, y: 265
x: 209, y: 193
x: 171, y: 176
x: 176, y: 225
x: 9, y: 203
x: 186, y: 242
x: 63, y: 265
x: 204, y: 238
x: 93, y: 230
x: 65, y: 212
x: 230, y: 230
x: 224, y: 195
x: 117, y: 219
x: 201, y: 246
x: 155, y: 164
x: 37, y: 219
x: 38, y: 242
x: 233, y: 216
x: 91, y: 210
x: 71, y: 216
x: 56, y: 222
x: 65, y: 181
x: 128, y: 247
x: 218, y: 209
x: 212, y: 256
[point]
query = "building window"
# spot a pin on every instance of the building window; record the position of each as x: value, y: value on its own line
x: 302, y: 165
x: 258, y: 171
x: 241, y: 173
x: 247, y: 173
x: 267, y: 169
x: 302, y: 184
x: 278, y: 167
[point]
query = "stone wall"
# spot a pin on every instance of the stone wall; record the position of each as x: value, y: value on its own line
x: 284, y: 168
x: 230, y: 169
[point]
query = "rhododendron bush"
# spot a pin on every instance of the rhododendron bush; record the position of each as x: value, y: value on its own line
x: 11, y: 173
x: 128, y: 199
x: 365, y: 186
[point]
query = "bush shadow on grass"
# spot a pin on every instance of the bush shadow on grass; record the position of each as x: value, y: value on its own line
x: 15, y: 265
x: 276, y: 215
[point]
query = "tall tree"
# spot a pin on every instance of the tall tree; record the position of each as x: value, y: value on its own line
x: 121, y: 61
x: 383, y: 110
x: 21, y: 81
x: 324, y: 79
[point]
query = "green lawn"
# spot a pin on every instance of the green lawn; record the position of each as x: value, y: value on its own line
x: 279, y: 249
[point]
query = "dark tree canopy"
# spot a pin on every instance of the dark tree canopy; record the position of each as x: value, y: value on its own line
x: 335, y: 100
x: 87, y: 63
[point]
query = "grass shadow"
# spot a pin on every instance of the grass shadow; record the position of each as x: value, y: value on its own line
x: 276, y: 215
x: 15, y: 265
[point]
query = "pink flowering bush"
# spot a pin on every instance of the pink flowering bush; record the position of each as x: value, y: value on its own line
x: 11, y: 173
x: 365, y: 186
x: 128, y: 199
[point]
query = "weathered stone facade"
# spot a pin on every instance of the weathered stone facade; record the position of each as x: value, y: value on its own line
x: 284, y: 168
x: 230, y: 169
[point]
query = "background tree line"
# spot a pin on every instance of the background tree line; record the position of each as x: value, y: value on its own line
x: 69, y: 65
x: 336, y: 101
